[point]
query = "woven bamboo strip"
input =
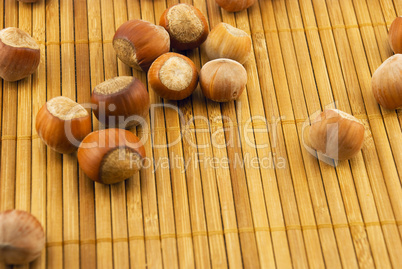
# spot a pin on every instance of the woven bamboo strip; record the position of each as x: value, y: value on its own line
x: 313, y: 171
x: 9, y: 123
x: 188, y: 166
x: 288, y: 200
x: 104, y: 250
x: 70, y: 176
x: 216, y: 182
x: 133, y: 185
x: 237, y: 172
x: 86, y: 186
x: 344, y: 174
x: 272, y: 198
x: 54, y: 160
x: 179, y: 187
x: 148, y: 180
x: 171, y: 251
x: 378, y: 130
x: 345, y: 178
x: 250, y: 105
x: 118, y: 198
x: 23, y: 165
x: 369, y: 153
x: 38, y: 188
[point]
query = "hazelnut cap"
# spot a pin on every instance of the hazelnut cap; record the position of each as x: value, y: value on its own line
x: 186, y: 25
x: 97, y: 146
x: 175, y: 72
x: 127, y: 95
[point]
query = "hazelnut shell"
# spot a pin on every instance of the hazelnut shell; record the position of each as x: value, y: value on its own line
x: 155, y: 77
x: 226, y: 41
x: 386, y: 83
x: 95, y: 148
x: 138, y: 43
x: 395, y: 35
x: 182, y: 25
x: 52, y: 130
x: 17, y: 59
x: 127, y: 95
x: 22, y: 238
x: 223, y: 80
x: 336, y: 134
x: 235, y: 5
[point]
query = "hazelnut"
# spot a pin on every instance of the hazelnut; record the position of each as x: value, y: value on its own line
x: 223, y: 80
x: 62, y: 123
x: 22, y: 238
x: 19, y: 54
x: 235, y: 5
x: 173, y: 76
x: 226, y: 41
x: 186, y: 26
x: 111, y: 155
x: 336, y: 134
x: 395, y: 35
x: 138, y: 43
x: 386, y: 83
x: 120, y: 101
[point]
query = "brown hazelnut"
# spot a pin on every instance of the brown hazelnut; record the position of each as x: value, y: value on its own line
x: 226, y: 41
x: 387, y: 83
x: 120, y: 102
x: 62, y: 123
x: 22, y: 238
x: 186, y: 25
x: 19, y: 54
x: 235, y: 5
x: 111, y: 155
x: 223, y: 80
x: 336, y: 134
x: 138, y: 43
x: 395, y: 35
x: 173, y: 76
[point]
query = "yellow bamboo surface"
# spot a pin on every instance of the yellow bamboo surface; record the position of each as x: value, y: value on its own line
x: 223, y: 185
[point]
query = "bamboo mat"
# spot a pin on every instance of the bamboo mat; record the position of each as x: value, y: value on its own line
x: 225, y: 185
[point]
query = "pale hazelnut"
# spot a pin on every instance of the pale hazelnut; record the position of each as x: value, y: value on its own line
x: 387, y: 83
x: 395, y: 35
x: 22, y: 238
x: 336, y: 134
x: 226, y: 41
x: 223, y: 80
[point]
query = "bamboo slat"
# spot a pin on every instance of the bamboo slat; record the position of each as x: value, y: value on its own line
x: 223, y: 185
